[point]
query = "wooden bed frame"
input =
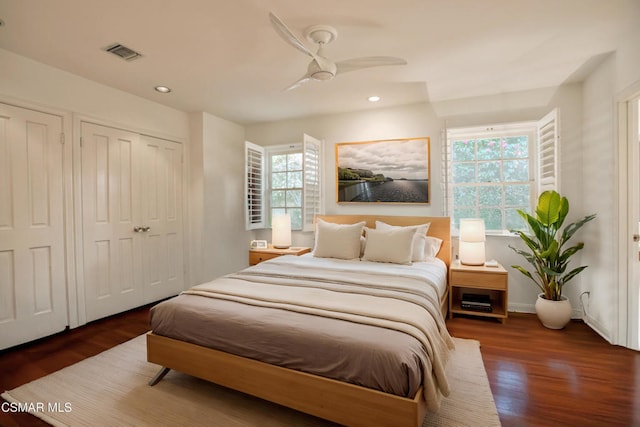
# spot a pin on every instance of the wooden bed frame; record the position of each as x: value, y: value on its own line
x: 337, y: 401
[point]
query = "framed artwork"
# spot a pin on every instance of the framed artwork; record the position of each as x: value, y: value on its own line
x: 259, y: 244
x: 385, y: 171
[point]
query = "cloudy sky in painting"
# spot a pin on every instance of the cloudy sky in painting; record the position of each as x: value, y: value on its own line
x: 395, y: 159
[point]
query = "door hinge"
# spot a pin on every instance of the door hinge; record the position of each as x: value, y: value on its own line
x: 62, y: 138
x: 80, y: 142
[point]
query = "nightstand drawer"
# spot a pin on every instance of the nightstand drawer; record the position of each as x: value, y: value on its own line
x: 471, y: 279
x: 258, y: 257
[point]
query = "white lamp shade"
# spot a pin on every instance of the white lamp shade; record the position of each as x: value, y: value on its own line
x: 471, y: 253
x: 281, y: 231
x: 472, y: 237
x: 472, y: 230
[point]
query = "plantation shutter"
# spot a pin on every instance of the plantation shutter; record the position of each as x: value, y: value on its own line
x: 548, y: 153
x: 312, y: 195
x: 254, y: 186
x: 445, y: 174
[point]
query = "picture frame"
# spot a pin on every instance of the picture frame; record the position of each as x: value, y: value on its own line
x: 384, y: 171
x: 259, y: 244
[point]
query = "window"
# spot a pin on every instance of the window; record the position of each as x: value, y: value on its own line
x: 285, y: 184
x: 494, y: 171
x: 283, y: 179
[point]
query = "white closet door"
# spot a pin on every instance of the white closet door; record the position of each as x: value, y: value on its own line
x: 33, y: 300
x: 110, y: 212
x: 161, y: 199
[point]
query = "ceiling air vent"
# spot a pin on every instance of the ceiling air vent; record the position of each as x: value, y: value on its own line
x: 123, y: 52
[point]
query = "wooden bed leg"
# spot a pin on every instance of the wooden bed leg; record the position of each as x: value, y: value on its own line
x: 159, y: 376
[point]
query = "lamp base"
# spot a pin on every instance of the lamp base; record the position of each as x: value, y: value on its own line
x: 281, y: 247
x: 476, y: 264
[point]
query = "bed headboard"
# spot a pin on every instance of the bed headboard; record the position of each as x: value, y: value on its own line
x: 440, y: 226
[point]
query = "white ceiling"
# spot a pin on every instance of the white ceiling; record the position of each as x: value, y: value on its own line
x: 223, y: 56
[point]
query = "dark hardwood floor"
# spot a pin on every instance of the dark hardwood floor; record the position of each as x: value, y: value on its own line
x: 539, y: 377
x: 544, y: 377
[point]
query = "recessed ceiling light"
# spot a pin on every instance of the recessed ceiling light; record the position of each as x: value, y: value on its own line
x: 162, y: 89
x: 374, y: 98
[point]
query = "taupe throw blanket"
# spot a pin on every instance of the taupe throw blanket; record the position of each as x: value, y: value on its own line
x: 403, y: 302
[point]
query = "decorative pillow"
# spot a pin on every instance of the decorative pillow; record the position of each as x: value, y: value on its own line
x: 419, y: 238
x: 432, y: 246
x: 337, y: 240
x: 394, y: 246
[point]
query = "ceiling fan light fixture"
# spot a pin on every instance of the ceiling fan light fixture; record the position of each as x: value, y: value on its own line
x: 162, y: 89
x: 322, y: 75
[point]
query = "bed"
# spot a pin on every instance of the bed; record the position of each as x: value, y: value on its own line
x: 351, y: 393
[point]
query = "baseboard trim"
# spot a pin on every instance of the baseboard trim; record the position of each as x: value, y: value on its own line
x: 598, y: 328
x: 531, y: 308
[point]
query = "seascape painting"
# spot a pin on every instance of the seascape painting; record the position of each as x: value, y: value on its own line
x: 387, y: 171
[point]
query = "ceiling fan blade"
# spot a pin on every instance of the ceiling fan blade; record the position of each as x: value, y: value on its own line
x: 288, y: 36
x: 368, y: 62
x: 300, y: 82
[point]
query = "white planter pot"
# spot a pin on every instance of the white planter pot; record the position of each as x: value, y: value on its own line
x: 553, y: 314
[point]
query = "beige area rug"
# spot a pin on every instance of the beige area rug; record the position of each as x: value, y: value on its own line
x: 111, y: 389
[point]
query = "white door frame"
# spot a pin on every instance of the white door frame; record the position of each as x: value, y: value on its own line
x: 67, y: 183
x: 626, y: 333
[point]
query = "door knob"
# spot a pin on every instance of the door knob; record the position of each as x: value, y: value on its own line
x: 137, y: 229
x: 146, y: 228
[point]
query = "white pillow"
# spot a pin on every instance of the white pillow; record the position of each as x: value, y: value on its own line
x: 432, y: 246
x: 337, y: 240
x: 395, y: 246
x: 419, y: 238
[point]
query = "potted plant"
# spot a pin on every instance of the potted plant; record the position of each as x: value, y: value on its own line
x: 549, y: 256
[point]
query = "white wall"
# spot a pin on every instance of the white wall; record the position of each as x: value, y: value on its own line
x: 429, y: 120
x: 217, y: 185
x: 387, y: 123
x: 602, y: 88
x: 600, y: 196
x: 27, y: 80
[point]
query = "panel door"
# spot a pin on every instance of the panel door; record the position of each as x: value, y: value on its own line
x: 161, y: 200
x: 113, y: 273
x: 33, y: 301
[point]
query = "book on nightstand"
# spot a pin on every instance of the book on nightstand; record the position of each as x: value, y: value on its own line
x: 476, y: 302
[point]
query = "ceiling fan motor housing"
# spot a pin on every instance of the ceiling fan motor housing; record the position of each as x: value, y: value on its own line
x: 325, y: 72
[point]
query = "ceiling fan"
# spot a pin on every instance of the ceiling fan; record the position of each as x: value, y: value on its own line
x: 321, y: 68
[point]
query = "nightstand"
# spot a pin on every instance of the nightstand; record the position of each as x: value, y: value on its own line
x: 256, y: 256
x: 480, y: 280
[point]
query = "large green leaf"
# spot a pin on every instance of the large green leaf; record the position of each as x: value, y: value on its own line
x: 548, y: 209
x: 562, y: 213
x: 570, y: 229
